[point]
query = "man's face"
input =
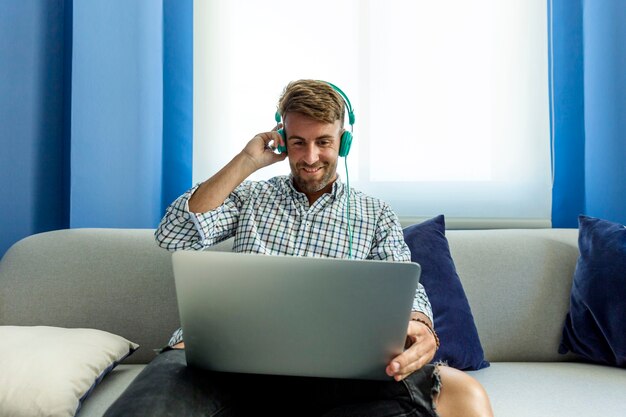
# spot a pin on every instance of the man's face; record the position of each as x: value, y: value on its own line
x: 313, y: 150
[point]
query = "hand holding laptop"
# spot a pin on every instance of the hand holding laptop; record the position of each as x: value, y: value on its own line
x: 421, y: 350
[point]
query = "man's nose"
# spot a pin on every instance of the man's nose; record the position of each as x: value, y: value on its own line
x: 311, y: 154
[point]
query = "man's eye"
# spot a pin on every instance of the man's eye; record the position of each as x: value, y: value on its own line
x: 324, y: 143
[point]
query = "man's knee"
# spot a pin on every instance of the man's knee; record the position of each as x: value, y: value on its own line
x: 461, y: 395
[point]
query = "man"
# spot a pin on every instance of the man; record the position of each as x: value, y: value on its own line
x: 303, y: 214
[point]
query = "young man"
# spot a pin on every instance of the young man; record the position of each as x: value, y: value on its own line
x: 303, y: 214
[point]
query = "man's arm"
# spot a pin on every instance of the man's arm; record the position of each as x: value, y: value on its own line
x: 421, y: 339
x: 191, y: 218
x: 256, y: 155
x: 389, y: 245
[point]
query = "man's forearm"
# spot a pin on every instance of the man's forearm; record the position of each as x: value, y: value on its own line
x: 212, y: 193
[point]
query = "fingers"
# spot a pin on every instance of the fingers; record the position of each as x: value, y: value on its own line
x: 271, y: 140
x: 261, y: 149
x: 276, y: 141
x: 263, y: 142
x: 408, y: 362
x: 268, y: 137
x: 281, y: 140
x: 421, y: 352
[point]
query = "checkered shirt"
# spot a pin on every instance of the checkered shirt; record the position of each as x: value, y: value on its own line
x: 272, y: 217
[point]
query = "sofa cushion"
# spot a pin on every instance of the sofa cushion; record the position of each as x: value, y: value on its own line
x: 595, y: 328
x: 50, y: 371
x: 454, y: 323
x: 553, y: 389
x: 109, y: 390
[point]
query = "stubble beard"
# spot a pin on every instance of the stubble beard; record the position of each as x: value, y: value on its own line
x: 317, y: 185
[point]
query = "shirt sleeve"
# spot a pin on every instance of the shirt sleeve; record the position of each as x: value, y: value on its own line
x: 180, y: 229
x: 176, y: 337
x: 389, y: 244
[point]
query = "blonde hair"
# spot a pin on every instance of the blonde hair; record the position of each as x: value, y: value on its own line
x: 312, y: 98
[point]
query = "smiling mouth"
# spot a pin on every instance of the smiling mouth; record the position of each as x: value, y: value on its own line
x: 310, y: 170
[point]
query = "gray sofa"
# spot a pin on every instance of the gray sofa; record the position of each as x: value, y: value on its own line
x: 517, y: 282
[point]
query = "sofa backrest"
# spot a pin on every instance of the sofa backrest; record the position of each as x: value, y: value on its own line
x: 115, y: 280
x: 518, y: 284
x: 119, y: 280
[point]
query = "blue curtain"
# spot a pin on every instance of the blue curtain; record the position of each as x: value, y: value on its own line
x: 177, y: 99
x: 588, y: 46
x: 96, y: 113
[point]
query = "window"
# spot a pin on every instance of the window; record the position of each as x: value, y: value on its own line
x: 450, y: 97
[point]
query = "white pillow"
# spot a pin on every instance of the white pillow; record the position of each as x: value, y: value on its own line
x: 49, y: 371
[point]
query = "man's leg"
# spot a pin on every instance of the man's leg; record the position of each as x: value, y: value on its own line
x: 433, y: 391
x: 167, y: 387
x: 461, y: 395
x: 354, y: 398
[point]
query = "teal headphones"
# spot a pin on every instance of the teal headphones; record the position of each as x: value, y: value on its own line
x: 346, y: 138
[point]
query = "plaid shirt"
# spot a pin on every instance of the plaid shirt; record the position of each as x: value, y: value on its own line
x: 271, y: 217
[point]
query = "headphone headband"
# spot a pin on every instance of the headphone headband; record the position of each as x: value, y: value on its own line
x: 351, y: 117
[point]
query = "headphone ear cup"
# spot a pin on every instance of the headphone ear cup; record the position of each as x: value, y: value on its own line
x: 281, y: 148
x: 346, y: 142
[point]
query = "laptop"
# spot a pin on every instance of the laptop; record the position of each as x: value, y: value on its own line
x: 297, y: 316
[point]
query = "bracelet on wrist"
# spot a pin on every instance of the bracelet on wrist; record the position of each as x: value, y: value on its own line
x: 429, y: 327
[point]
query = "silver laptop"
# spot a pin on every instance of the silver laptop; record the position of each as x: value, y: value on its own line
x: 298, y: 316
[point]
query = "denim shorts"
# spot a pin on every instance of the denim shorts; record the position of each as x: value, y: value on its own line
x: 167, y: 387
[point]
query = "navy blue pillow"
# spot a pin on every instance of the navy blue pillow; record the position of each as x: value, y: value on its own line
x: 454, y: 323
x: 595, y: 327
